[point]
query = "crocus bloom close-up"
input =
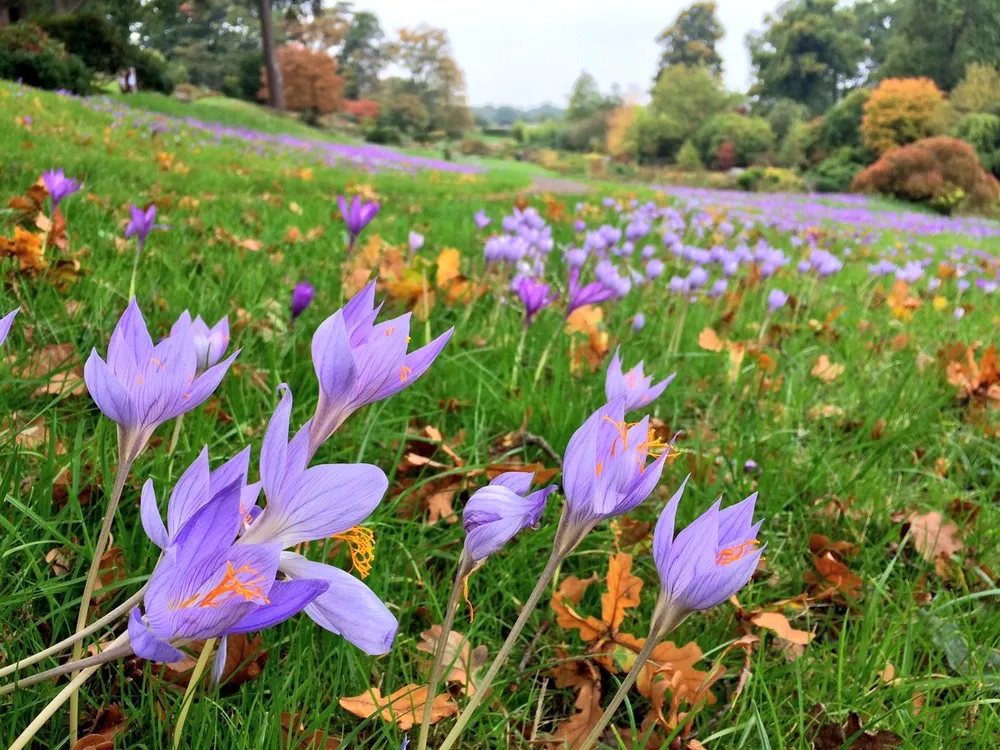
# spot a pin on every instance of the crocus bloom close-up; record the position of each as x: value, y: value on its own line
x: 209, y: 343
x: 605, y: 469
x: 5, y: 323
x: 534, y: 296
x: 316, y: 503
x: 710, y: 560
x: 141, y: 223
x: 302, y: 297
x: 358, y: 362
x: 59, y: 185
x: 593, y: 293
x: 481, y: 219
x: 143, y: 385
x: 634, y: 386
x: 356, y: 216
x: 495, y: 513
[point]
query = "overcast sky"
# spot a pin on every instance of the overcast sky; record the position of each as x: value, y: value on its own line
x: 526, y: 52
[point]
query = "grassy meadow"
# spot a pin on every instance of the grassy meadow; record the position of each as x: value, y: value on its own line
x: 877, y: 476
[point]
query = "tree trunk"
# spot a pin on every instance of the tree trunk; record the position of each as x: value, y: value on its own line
x: 275, y: 86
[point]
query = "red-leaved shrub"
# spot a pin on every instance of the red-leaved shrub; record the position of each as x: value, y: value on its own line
x: 360, y: 109
x: 724, y: 158
x: 310, y: 79
x: 933, y: 170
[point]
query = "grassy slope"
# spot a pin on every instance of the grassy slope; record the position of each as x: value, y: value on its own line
x: 801, y: 459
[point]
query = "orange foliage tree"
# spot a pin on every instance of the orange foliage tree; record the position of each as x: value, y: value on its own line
x: 310, y: 78
x: 901, y: 111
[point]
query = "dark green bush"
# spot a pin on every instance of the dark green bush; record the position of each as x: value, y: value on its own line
x: 835, y: 174
x: 982, y: 132
x: 29, y: 54
x: 751, y: 138
x: 151, y: 70
x: 385, y: 135
x: 91, y: 37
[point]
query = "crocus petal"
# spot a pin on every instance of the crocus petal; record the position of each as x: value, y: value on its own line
x: 235, y: 469
x: 417, y: 362
x: 333, y: 360
x: 107, y: 391
x: 360, y: 307
x: 130, y: 346
x: 735, y: 521
x: 147, y: 644
x: 348, y: 608
x: 6, y: 322
x: 323, y: 501
x: 190, y: 493
x: 287, y: 599
x: 716, y: 583
x: 152, y: 522
x: 693, y: 549
x: 343, y: 207
x: 202, y: 387
x: 663, y: 535
x: 219, y: 663
x: 274, y: 449
x: 212, y: 527
x: 518, y: 482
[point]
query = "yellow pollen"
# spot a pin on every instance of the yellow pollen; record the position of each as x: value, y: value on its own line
x: 731, y: 554
x: 156, y: 362
x: 361, y: 543
x: 389, y: 331
x: 407, y: 339
x: 404, y: 373
x: 230, y: 584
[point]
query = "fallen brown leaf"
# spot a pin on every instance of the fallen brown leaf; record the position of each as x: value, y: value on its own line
x: 405, y: 707
x: 467, y: 663
x: 825, y: 370
x: 571, y: 733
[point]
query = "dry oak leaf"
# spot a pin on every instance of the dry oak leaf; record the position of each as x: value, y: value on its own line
x: 833, y: 577
x: 245, y: 660
x: 293, y: 729
x: 825, y: 370
x: 779, y: 624
x: 571, y: 733
x: 466, y: 663
x: 933, y: 536
x: 108, y: 723
x: 405, y: 707
x: 708, y: 339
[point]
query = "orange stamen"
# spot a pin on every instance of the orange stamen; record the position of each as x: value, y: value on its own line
x: 599, y: 468
x: 404, y: 373
x: 731, y: 554
x: 361, y: 543
x: 389, y: 331
x: 230, y: 584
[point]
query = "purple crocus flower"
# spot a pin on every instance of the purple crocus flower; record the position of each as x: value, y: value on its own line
x: 709, y: 561
x: 959, y: 313
x: 654, y: 269
x: 605, y: 472
x: 638, y: 322
x: 141, y: 386
x: 141, y: 223
x: 579, y: 226
x: 209, y: 584
x: 592, y: 294
x: 634, y: 386
x: 481, y: 219
x: 776, y: 300
x: 59, y: 186
x: 416, y: 241
x: 209, y: 343
x: 534, y: 296
x: 749, y: 465
x: 357, y: 216
x: 495, y: 513
x: 6, y: 322
x: 302, y: 297
x: 308, y: 504
x: 358, y: 362
x: 718, y: 288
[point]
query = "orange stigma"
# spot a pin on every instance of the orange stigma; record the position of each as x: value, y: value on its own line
x: 622, y: 428
x: 361, y: 543
x: 599, y: 468
x: 731, y: 554
x: 389, y: 331
x: 404, y: 373
x: 230, y: 584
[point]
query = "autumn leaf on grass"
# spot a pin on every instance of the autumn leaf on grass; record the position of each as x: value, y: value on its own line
x: 587, y: 320
x: 976, y: 380
x: 405, y: 707
x: 467, y: 664
x: 833, y: 578
x: 709, y: 340
x: 834, y: 735
x: 571, y: 733
x: 59, y: 366
x: 780, y: 626
x: 110, y: 571
x: 245, y: 660
x: 825, y: 370
x: 294, y: 730
x: 105, y: 726
x: 935, y: 539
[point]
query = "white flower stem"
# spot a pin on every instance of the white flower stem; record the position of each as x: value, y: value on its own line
x: 178, y: 424
x: 118, y: 649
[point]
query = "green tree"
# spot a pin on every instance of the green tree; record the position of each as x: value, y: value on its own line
x: 937, y: 39
x: 363, y: 55
x: 691, y: 38
x: 874, y: 24
x: 751, y: 137
x: 979, y: 91
x: 585, y: 98
x: 842, y: 122
x: 810, y: 52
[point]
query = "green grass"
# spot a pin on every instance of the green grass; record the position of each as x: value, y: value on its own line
x: 804, y: 461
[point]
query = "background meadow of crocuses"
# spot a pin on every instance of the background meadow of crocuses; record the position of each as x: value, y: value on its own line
x: 861, y: 410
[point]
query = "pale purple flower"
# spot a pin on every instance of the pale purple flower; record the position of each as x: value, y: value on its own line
x: 718, y: 288
x: 495, y: 513
x: 776, y: 300
x: 638, y: 322
x: 749, y: 465
x: 309, y: 504
x: 634, y: 386
x: 959, y: 313
x: 576, y: 257
x: 356, y: 216
x: 481, y: 219
x: 141, y: 386
x: 302, y: 297
x: 592, y: 294
x: 358, y: 362
x: 963, y: 284
x: 709, y: 561
x: 654, y: 269
x: 416, y: 241
x: 605, y: 469
x: 6, y: 322
x: 141, y: 223
x: 209, y: 343
x: 59, y: 186
x: 535, y: 296
x: 579, y: 225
